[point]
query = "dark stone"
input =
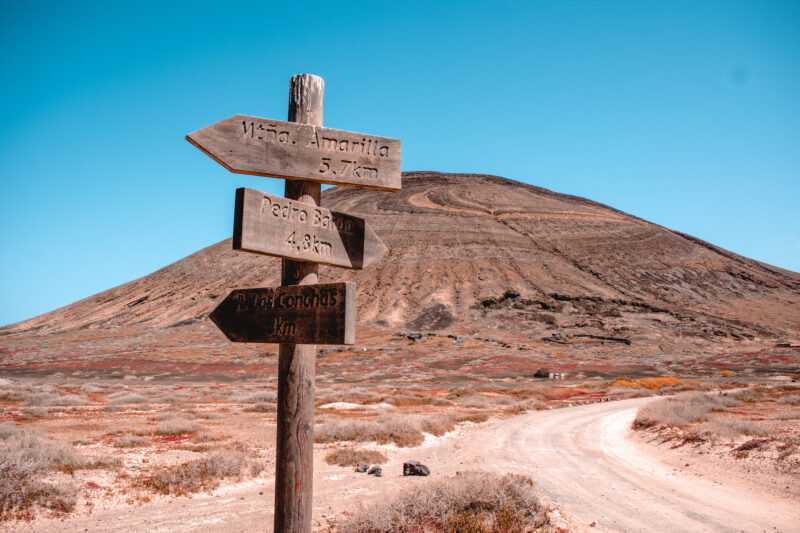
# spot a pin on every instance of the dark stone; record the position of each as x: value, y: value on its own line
x: 415, y: 468
x: 433, y: 318
x: 542, y: 373
x: 489, y: 302
x: 510, y: 295
x: 361, y: 468
x: 375, y: 471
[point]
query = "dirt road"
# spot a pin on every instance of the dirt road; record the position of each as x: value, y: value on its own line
x: 581, y: 457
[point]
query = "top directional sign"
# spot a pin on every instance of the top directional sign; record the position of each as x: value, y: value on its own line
x: 266, y: 147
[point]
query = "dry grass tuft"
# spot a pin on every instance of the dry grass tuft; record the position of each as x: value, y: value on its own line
x: 730, y: 428
x: 473, y: 502
x: 404, y: 431
x: 176, y: 426
x: 475, y: 418
x: 438, y: 425
x: 26, y: 457
x: 91, y: 388
x: 202, y: 474
x: 51, y: 399
x: 35, y: 412
x: 681, y: 410
x: 131, y: 441
x: 354, y: 456
x: 21, y: 490
x: 10, y: 394
x: 260, y: 407
x: 482, y: 401
x: 790, y: 399
x: 254, y: 397
x: 126, y: 398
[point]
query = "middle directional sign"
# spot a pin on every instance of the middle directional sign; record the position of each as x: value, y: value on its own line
x: 266, y: 147
x: 274, y: 225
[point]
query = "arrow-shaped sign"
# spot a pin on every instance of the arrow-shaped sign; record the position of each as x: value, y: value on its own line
x: 277, y: 226
x: 266, y: 147
x: 296, y: 314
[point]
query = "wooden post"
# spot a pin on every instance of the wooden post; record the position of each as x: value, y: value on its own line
x: 294, y: 466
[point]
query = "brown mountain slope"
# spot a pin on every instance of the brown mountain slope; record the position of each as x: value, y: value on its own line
x: 577, y: 276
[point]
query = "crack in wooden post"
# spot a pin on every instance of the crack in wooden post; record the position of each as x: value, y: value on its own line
x: 294, y: 466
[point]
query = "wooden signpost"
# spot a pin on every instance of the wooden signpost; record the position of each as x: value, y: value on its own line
x: 301, y: 313
x: 274, y: 225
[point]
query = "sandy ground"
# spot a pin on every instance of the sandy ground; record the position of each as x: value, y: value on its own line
x: 583, y: 459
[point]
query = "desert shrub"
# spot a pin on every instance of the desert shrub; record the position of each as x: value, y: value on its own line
x: 25, y: 457
x: 751, y: 395
x: 652, y: 383
x: 176, y: 426
x: 131, y: 441
x: 254, y: 397
x: 530, y: 405
x: 789, y: 415
x: 730, y: 428
x: 126, y: 398
x: 466, y: 503
x: 45, y: 399
x: 681, y: 410
x: 752, y: 444
x: 480, y: 401
x: 791, y: 399
x: 211, y: 416
x: 10, y: 394
x: 351, y: 394
x: 209, y: 437
x: 21, y: 489
x: 441, y: 402
x: 39, y: 454
x: 202, y: 474
x: 35, y: 412
x: 438, y: 424
x: 260, y: 407
x: 354, y: 456
x: 163, y: 415
x: 8, y: 429
x: 402, y: 431
x: 723, y: 401
x: 401, y: 400
x: 475, y: 418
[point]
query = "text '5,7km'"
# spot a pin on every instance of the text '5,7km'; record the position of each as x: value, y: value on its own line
x: 266, y: 147
x: 295, y: 314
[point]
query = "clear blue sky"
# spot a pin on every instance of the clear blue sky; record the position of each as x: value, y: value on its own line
x: 683, y: 113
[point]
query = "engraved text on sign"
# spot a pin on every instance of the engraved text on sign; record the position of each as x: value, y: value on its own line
x: 266, y: 147
x: 295, y: 314
x: 277, y: 226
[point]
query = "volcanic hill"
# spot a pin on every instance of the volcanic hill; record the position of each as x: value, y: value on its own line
x: 484, y: 276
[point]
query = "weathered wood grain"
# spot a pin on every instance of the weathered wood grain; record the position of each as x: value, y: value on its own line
x: 267, y: 147
x: 297, y: 314
x: 277, y: 226
x: 294, y: 453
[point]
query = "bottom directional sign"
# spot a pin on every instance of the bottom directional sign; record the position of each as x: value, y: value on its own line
x: 296, y: 314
